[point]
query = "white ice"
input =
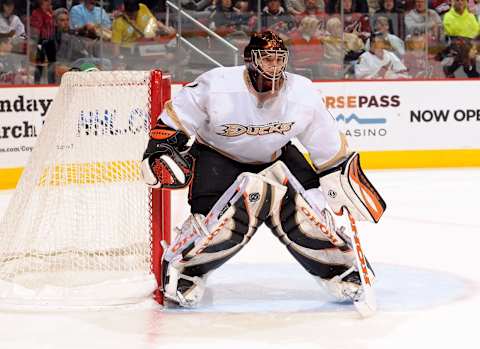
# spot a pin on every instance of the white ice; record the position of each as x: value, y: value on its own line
x: 425, y: 252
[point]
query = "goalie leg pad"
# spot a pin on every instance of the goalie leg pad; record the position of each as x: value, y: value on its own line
x: 307, y: 228
x: 346, y: 185
x: 311, y: 237
x: 205, y: 243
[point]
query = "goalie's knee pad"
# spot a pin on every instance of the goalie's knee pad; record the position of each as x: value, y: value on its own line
x: 307, y: 228
x: 205, y: 243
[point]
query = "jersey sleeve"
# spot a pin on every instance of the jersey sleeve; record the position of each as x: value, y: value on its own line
x: 322, y: 138
x: 187, y: 111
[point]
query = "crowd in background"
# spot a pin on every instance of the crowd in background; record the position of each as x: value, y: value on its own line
x: 328, y: 39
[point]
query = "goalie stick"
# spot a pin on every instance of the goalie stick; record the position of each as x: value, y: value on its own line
x: 366, y: 304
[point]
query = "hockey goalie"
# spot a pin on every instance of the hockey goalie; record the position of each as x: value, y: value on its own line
x: 242, y: 171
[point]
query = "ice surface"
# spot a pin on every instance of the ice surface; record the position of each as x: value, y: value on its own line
x: 428, y: 280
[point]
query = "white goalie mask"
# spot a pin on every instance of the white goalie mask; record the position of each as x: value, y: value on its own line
x: 271, y: 64
x: 266, y: 55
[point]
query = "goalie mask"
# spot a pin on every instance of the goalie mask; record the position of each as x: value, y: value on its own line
x: 266, y: 55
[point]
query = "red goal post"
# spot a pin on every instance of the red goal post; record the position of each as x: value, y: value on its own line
x: 161, y: 92
x: 82, y: 229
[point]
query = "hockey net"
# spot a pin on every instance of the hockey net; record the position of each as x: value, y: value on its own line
x: 82, y: 229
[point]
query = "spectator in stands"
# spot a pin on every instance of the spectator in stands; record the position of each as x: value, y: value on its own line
x: 253, y: 4
x: 69, y: 47
x: 9, y: 21
x: 134, y: 24
x: 373, y: 5
x: 12, y: 69
x: 420, y: 63
x: 72, y: 50
x: 243, y: 17
x: 458, y: 21
x: 7, y: 61
x: 90, y: 20
x: 392, y: 9
x: 341, y: 50
x: 460, y: 53
x: 295, y: 7
x: 356, y: 19
x: 241, y: 6
x: 228, y: 18
x: 353, y: 6
x: 274, y: 17
x: 312, y: 7
x: 393, y: 42
x: 43, y: 33
x: 440, y: 6
x: 476, y: 9
x: 415, y: 58
x: 420, y: 17
x: 443, y: 6
x: 306, y: 48
x: 378, y: 63
x: 222, y: 19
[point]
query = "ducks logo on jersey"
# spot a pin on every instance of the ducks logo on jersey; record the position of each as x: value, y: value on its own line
x: 235, y: 130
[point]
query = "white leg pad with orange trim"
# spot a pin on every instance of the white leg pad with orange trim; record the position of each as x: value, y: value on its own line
x: 345, y: 185
x: 330, y: 253
x: 310, y: 217
x: 205, y: 243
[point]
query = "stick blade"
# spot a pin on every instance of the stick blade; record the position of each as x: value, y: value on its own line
x: 366, y: 305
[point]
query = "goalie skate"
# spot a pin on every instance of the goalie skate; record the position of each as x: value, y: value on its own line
x: 178, y: 288
x: 362, y: 274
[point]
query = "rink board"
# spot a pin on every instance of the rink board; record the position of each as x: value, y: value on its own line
x: 394, y: 124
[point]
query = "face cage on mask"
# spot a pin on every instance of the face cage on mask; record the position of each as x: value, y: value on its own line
x: 277, y: 55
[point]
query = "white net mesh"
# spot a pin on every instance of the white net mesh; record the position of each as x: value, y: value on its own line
x: 77, y: 230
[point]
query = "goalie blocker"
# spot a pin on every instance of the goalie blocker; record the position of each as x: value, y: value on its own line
x: 345, y: 185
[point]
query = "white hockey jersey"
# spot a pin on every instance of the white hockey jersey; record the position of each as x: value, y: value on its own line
x: 222, y: 110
